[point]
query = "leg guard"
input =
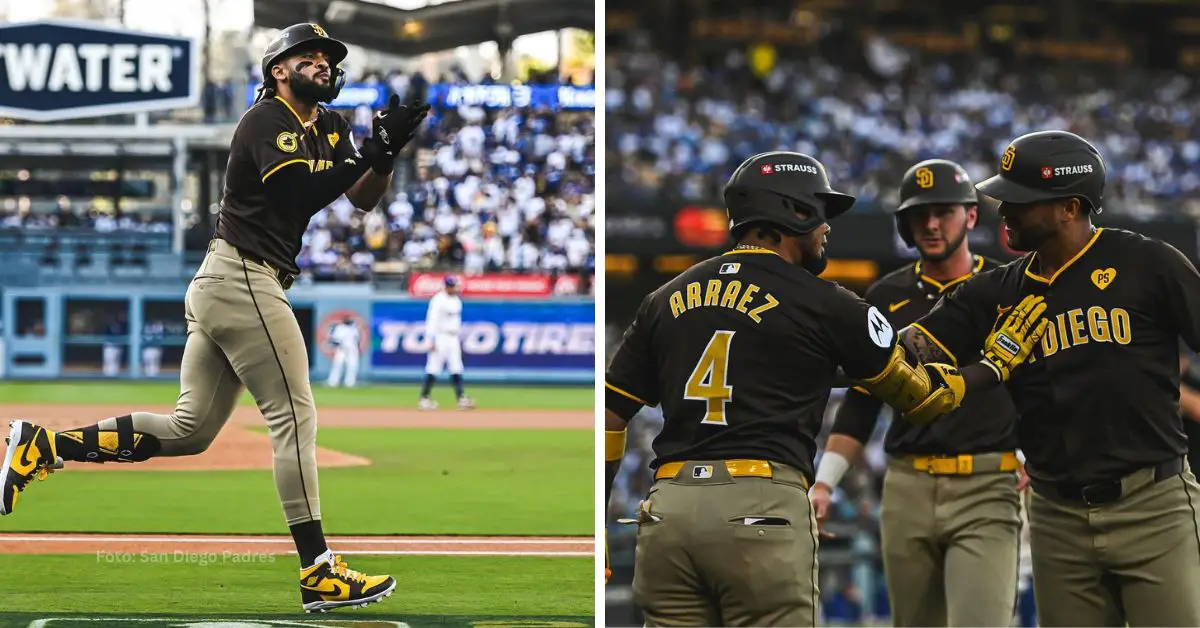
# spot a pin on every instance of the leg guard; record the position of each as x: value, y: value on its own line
x: 91, y: 444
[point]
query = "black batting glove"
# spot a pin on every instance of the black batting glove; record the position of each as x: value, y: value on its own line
x: 391, y: 130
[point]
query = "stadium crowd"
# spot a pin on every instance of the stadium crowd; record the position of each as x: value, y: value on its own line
x: 683, y: 126
x: 493, y: 190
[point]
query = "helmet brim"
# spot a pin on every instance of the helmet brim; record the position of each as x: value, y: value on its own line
x: 935, y: 199
x: 1007, y: 191
x: 334, y: 49
x: 836, y: 203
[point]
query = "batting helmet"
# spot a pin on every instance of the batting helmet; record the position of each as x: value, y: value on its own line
x: 306, y: 36
x: 1048, y: 165
x: 933, y: 181
x: 786, y: 189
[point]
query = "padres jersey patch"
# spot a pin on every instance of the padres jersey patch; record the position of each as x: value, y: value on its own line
x: 287, y: 142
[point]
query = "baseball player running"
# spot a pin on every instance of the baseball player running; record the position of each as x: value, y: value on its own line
x: 950, y: 520
x: 289, y: 157
x: 1112, y: 512
x: 443, y: 322
x: 345, y: 338
x: 741, y: 351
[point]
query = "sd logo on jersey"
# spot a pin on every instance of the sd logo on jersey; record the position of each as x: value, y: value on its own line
x: 53, y: 70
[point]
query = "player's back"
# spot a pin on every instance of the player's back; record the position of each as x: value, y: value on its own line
x: 745, y: 359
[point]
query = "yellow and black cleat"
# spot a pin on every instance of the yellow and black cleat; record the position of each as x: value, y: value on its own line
x: 330, y: 584
x: 30, y: 454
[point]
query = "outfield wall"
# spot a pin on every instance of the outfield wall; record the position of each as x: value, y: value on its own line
x: 64, y: 332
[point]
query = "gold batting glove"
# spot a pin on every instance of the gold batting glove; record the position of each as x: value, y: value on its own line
x: 948, y: 389
x: 1012, y: 341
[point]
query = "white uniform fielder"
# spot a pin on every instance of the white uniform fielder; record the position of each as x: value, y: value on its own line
x: 345, y: 338
x: 443, y: 322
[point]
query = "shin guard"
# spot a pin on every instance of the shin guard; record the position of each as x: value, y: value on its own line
x: 92, y: 444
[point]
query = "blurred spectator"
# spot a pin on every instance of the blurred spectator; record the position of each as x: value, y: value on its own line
x: 491, y: 191
x: 684, y: 126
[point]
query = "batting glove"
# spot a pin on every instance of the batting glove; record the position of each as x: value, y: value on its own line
x: 1012, y: 341
x: 391, y: 130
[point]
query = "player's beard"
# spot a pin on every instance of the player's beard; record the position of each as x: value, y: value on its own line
x: 308, y: 90
x: 815, y: 264
x: 1029, y: 237
x: 950, y: 249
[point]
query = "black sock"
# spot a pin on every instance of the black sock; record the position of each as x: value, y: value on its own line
x: 457, y: 379
x: 310, y: 541
x: 428, y: 385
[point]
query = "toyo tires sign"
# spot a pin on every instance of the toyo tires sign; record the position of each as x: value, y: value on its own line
x: 58, y: 70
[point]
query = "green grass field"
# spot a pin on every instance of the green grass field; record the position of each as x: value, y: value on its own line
x: 421, y: 481
x: 427, y: 585
x: 375, y: 396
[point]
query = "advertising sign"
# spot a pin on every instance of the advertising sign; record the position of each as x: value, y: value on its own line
x: 497, y: 337
x: 509, y: 96
x: 57, y: 70
x: 425, y: 285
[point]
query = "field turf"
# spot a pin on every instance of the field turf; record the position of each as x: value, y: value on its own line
x: 421, y: 481
x: 373, y: 396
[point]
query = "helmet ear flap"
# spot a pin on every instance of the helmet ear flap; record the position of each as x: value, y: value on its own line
x: 904, y: 230
x: 337, y: 76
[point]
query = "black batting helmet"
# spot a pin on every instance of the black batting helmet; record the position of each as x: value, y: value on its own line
x: 786, y: 189
x: 304, y: 36
x: 933, y: 181
x: 1048, y: 165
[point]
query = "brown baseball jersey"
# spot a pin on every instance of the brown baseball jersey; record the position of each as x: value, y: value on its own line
x: 983, y: 423
x: 271, y: 136
x: 1099, y: 396
x: 741, y: 350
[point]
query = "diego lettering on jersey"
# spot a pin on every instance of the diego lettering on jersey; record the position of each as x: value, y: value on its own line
x: 1078, y: 327
x: 721, y: 293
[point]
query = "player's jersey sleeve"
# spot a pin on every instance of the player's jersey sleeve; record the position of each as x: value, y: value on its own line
x: 859, y: 335
x: 959, y: 323
x: 270, y: 139
x: 631, y: 375
x: 859, y: 411
x: 343, y: 145
x: 1182, y: 292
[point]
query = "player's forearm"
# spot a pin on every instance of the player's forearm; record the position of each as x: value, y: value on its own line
x: 368, y: 191
x: 857, y: 415
x: 298, y: 190
x: 841, y: 452
x: 979, y: 378
x: 1189, y: 401
x: 614, y: 450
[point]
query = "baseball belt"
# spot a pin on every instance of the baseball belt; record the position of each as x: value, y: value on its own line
x: 966, y: 464
x: 738, y: 468
x: 284, y: 278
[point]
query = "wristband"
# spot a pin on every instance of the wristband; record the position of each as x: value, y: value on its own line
x: 614, y: 445
x: 833, y: 466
